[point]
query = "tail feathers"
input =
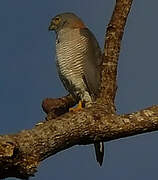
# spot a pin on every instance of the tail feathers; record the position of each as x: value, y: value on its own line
x: 99, y: 151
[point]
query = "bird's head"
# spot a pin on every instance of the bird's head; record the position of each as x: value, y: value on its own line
x: 65, y: 20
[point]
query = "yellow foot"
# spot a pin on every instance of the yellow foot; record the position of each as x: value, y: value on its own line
x: 79, y: 107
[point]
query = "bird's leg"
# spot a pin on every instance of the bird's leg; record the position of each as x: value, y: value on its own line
x: 79, y: 107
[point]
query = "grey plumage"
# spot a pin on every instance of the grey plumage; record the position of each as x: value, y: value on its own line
x: 78, y: 61
x: 69, y: 52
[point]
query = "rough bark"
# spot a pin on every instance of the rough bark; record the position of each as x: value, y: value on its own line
x: 21, y: 153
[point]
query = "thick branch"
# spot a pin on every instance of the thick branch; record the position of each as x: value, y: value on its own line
x: 112, y: 46
x: 21, y: 153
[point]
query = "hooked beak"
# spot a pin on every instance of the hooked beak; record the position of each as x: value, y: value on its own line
x: 51, y: 27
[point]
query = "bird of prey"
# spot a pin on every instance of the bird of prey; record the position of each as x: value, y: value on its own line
x: 78, y: 62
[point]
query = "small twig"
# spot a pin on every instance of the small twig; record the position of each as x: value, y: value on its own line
x: 56, y: 107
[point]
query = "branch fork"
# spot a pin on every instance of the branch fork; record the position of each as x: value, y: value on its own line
x: 21, y: 153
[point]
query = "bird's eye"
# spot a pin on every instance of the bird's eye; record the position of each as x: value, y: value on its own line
x: 57, y: 20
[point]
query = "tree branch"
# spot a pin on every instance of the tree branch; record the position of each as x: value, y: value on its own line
x: 21, y: 153
x: 111, y: 53
x: 57, y: 107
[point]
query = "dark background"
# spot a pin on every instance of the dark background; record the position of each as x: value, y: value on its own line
x: 28, y: 75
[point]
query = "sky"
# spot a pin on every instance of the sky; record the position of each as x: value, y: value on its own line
x: 28, y: 75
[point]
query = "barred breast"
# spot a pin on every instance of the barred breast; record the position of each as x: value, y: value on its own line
x: 71, y: 49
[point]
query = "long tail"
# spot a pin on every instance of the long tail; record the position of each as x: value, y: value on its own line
x: 99, y: 151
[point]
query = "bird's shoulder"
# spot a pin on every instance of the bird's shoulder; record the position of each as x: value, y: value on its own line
x: 93, y: 43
